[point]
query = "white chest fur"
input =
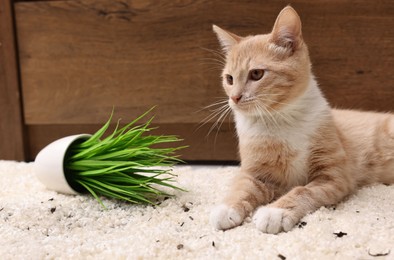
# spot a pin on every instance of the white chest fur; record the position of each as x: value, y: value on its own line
x: 293, y: 129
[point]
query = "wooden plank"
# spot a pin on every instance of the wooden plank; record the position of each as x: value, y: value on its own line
x: 81, y: 58
x: 118, y: 54
x: 219, y: 145
x: 11, y: 129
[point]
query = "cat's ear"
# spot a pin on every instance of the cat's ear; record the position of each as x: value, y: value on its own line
x: 287, y: 29
x: 226, y: 39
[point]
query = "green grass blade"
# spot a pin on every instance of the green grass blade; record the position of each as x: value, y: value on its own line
x: 93, y: 193
x: 96, y: 137
x: 124, y: 165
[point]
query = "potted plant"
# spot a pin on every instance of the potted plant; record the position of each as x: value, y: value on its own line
x: 128, y: 164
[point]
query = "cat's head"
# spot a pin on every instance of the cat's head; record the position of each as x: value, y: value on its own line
x: 264, y: 73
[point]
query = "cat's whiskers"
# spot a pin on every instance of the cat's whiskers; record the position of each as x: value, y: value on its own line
x: 218, y: 59
x: 215, y: 52
x: 214, y: 113
x: 269, y: 94
x: 221, y: 113
x: 265, y: 97
x: 286, y: 119
x: 267, y: 115
x: 211, y: 64
x: 219, y: 124
x: 214, y: 104
x: 215, y: 68
x: 213, y: 61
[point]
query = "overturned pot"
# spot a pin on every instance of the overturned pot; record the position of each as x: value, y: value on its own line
x: 50, y: 161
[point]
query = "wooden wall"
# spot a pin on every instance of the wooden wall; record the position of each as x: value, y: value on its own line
x: 80, y: 58
x: 12, y: 140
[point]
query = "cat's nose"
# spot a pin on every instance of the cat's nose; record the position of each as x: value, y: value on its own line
x: 236, y: 98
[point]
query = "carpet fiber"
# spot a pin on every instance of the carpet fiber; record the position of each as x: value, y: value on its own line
x: 36, y: 223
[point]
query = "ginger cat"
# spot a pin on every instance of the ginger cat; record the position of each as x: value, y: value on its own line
x: 297, y: 154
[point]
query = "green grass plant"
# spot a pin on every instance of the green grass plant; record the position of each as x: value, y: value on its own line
x: 129, y: 164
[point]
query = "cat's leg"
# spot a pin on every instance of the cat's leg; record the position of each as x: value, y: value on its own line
x: 246, y: 193
x: 287, y: 211
x: 386, y: 156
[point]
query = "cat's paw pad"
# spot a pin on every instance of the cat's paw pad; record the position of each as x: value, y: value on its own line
x: 273, y: 220
x: 224, y: 217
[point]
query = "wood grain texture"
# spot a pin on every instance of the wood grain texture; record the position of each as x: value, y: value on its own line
x: 11, y: 129
x: 80, y: 58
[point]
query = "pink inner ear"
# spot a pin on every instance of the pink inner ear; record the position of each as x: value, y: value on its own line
x: 226, y: 39
x: 287, y: 28
x: 285, y: 37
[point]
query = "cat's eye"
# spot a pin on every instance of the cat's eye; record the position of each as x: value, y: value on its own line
x: 229, y: 79
x: 256, y: 74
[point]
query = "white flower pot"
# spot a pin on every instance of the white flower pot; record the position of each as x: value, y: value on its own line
x: 49, y: 164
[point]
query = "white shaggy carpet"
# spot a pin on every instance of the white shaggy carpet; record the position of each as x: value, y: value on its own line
x: 36, y: 223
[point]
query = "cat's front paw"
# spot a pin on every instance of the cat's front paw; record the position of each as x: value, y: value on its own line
x: 224, y: 217
x: 273, y: 220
